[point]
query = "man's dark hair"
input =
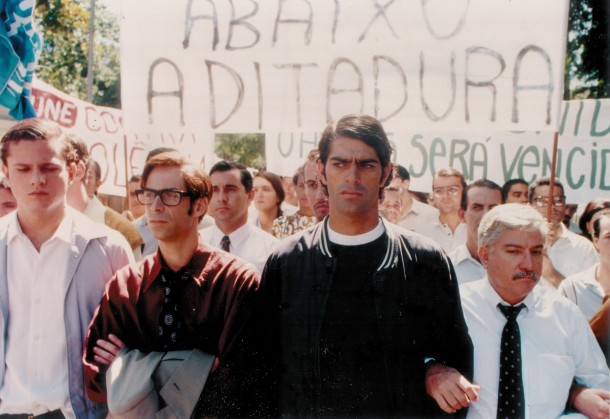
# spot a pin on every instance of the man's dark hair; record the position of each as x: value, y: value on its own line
x: 80, y: 147
x: 135, y: 178
x: 509, y: 184
x: 225, y: 166
x: 37, y: 129
x: 152, y: 153
x: 597, y: 223
x: 295, y: 177
x: 594, y: 206
x: 542, y: 182
x: 360, y: 127
x: 480, y: 183
x: 402, y: 172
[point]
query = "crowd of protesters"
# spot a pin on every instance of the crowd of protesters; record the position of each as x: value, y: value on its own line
x: 337, y: 292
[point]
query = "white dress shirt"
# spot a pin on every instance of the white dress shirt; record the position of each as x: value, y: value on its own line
x: 36, y: 379
x: 584, y: 291
x: 442, y: 234
x: 418, y: 215
x: 572, y: 253
x: 557, y: 346
x: 466, y: 267
x: 247, y: 242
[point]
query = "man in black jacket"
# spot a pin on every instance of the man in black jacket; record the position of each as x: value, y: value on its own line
x: 365, y: 317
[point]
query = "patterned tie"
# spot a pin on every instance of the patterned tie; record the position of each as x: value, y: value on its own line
x: 511, y: 399
x: 170, y: 320
x: 225, y: 243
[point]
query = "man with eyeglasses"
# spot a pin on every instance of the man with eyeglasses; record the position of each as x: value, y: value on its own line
x: 566, y: 252
x: 448, y: 230
x: 188, y: 296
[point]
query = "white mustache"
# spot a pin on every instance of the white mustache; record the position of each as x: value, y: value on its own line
x: 525, y: 274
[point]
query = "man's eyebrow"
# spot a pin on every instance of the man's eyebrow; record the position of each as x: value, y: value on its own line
x: 358, y: 161
x: 362, y: 161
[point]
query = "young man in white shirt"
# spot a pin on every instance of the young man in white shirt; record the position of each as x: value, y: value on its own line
x: 231, y: 198
x: 480, y: 197
x: 554, y: 359
x: 415, y: 214
x: 54, y: 263
x: 567, y: 253
x: 448, y: 230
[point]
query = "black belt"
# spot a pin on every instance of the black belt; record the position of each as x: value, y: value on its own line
x: 55, y: 414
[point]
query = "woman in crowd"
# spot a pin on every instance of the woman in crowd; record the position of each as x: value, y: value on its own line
x: 588, y: 288
x: 268, y: 198
x: 286, y: 225
x: 585, y: 221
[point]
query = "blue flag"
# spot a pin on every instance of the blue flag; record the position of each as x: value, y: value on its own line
x: 20, y: 45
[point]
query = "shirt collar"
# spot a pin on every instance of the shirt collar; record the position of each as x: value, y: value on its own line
x: 344, y: 240
x: 388, y: 229
x: 194, y: 267
x: 63, y: 231
x: 491, y: 296
x: 415, y: 207
x: 462, y: 253
x: 588, y: 276
x: 240, y: 234
x: 237, y: 236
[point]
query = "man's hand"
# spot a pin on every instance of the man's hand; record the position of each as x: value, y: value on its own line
x: 450, y: 389
x: 591, y: 402
x: 550, y: 273
x: 106, y: 350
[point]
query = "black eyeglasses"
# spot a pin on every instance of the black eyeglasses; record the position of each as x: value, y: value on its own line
x: 543, y: 201
x: 169, y: 197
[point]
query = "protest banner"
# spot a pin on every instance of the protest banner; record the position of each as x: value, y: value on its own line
x: 100, y: 127
x: 583, y: 158
x: 195, y: 68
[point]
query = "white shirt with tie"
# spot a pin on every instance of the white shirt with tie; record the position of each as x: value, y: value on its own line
x: 557, y: 346
x: 247, y: 242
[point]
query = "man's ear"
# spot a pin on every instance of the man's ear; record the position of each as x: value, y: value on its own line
x: 250, y: 195
x: 386, y: 173
x: 462, y: 215
x: 80, y: 171
x: 6, y: 178
x: 321, y: 172
x: 483, y: 255
x: 72, y: 169
x: 200, y: 206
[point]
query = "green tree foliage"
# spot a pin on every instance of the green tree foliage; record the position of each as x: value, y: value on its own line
x: 247, y: 149
x: 588, y: 51
x: 64, y: 26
